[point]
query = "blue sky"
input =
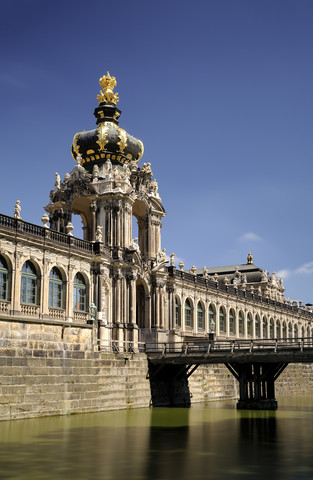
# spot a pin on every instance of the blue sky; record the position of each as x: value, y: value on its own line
x: 220, y: 93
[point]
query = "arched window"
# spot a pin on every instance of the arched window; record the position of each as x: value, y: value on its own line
x: 222, y: 320
x: 188, y: 311
x: 264, y: 327
x: 249, y: 325
x: 278, y: 335
x: 177, y: 313
x: 284, y: 331
x: 80, y: 293
x: 231, y: 321
x: 200, y: 322
x: 4, y: 279
x: 295, y: 331
x: 289, y: 330
x: 55, y: 289
x: 271, y: 328
x: 240, y: 323
x: 29, y: 284
x: 302, y: 332
x: 257, y: 326
x: 212, y: 319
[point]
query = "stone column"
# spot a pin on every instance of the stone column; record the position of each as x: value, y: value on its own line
x: 132, y: 327
x: 69, y: 294
x: 217, y: 321
x: 157, y: 305
x: 93, y: 210
x: 45, y: 289
x: 171, y: 307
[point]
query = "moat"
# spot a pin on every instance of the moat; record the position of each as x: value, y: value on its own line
x: 205, y: 441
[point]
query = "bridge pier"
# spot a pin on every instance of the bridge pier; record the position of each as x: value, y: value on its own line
x: 256, y: 384
x: 169, y: 384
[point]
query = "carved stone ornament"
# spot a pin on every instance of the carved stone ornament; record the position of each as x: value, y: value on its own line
x: 161, y: 256
x: 69, y: 228
x: 99, y: 234
x: 45, y: 220
x: 193, y: 270
x: 134, y: 245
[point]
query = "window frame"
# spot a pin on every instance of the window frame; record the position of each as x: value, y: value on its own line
x: 56, y: 284
x: 80, y: 288
x: 29, y: 284
x: 188, y: 313
x: 4, y: 279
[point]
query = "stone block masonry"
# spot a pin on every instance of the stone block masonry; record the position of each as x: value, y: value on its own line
x: 43, y: 374
x: 48, y: 370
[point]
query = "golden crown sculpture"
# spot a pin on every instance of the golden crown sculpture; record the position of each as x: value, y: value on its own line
x: 107, y: 95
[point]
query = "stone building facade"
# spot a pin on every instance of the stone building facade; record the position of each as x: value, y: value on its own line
x: 125, y: 290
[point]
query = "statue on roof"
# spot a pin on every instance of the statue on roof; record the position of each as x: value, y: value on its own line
x: 17, y: 210
x: 249, y: 259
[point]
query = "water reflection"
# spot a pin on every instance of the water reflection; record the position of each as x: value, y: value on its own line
x: 212, y: 441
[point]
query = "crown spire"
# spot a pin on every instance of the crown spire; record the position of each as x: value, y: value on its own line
x: 107, y: 95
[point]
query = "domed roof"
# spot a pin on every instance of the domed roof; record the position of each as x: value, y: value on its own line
x: 108, y: 140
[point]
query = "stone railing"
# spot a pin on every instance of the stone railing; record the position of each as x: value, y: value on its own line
x: 57, y: 313
x: 5, y: 307
x: 30, y: 310
x: 19, y: 226
x: 81, y: 317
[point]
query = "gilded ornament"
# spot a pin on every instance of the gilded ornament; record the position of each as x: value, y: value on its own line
x: 102, y: 136
x: 249, y: 259
x: 75, y: 145
x: 107, y: 95
x: 123, y: 139
x: 140, y: 154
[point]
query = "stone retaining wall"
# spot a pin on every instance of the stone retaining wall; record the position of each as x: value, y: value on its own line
x: 52, y: 370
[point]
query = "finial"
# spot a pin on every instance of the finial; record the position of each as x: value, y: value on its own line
x: 249, y: 259
x: 107, y: 95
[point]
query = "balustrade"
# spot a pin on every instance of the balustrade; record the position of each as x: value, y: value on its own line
x: 57, y: 313
x: 30, y: 310
x: 5, y: 307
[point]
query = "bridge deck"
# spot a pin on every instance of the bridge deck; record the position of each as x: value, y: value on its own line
x: 231, y: 351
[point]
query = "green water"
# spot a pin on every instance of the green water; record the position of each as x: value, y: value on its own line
x: 213, y: 441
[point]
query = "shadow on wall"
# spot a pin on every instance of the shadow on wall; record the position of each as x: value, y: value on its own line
x: 169, y: 386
